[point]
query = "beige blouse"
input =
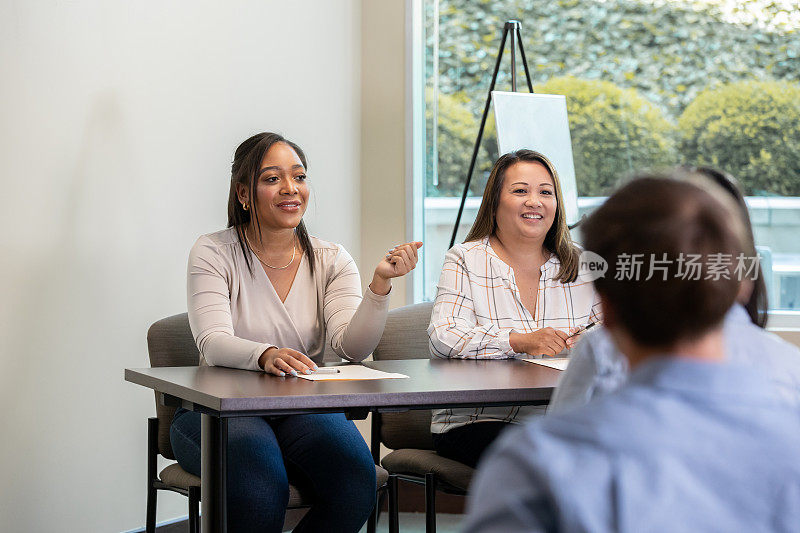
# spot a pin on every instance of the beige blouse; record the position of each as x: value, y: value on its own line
x: 235, y: 315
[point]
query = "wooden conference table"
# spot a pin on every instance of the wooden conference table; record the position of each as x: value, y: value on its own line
x: 220, y: 393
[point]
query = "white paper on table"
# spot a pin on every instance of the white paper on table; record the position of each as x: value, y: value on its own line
x: 559, y: 363
x: 352, y: 372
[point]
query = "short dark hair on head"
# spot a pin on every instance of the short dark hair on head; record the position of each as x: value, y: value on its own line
x: 662, y: 218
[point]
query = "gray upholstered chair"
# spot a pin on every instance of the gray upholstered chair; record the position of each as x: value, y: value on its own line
x: 170, y: 343
x: 408, y: 433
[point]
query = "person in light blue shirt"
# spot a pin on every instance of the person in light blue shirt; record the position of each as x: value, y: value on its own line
x: 667, y: 453
x: 692, y: 441
x: 597, y: 367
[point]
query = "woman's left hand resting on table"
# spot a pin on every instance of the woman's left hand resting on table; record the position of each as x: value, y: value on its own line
x: 399, y: 261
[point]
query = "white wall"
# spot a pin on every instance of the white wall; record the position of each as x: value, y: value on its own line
x: 118, y: 122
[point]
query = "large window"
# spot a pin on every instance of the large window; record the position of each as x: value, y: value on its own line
x: 648, y: 84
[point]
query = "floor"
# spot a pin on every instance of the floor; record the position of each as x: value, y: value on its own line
x: 409, y: 523
x: 415, y: 523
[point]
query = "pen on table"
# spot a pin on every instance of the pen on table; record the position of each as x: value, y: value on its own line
x: 583, y: 328
x: 326, y: 370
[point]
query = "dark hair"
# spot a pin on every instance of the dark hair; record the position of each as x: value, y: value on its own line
x: 245, y: 168
x: 758, y: 303
x: 662, y: 218
x: 557, y: 240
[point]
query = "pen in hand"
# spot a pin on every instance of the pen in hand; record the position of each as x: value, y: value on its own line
x: 582, y: 328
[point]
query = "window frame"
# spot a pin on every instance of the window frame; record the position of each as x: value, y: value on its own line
x: 415, y: 140
x: 416, y: 153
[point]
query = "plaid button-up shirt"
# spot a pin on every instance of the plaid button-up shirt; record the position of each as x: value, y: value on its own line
x: 478, y: 305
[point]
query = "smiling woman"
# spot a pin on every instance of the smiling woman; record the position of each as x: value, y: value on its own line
x: 264, y: 295
x: 280, y: 177
x: 511, y: 288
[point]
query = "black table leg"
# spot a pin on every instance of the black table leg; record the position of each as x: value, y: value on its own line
x: 394, y: 509
x: 430, y: 502
x: 213, y: 456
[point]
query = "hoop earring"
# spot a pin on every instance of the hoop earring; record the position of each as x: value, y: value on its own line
x: 245, y: 206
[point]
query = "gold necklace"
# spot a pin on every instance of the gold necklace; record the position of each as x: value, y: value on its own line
x: 294, y: 253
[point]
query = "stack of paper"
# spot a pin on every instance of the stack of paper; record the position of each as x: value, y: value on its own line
x: 559, y: 363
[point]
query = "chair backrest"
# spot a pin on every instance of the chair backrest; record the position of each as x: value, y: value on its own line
x: 170, y: 343
x: 406, y: 337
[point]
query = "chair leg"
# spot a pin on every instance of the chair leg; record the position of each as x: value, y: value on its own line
x: 430, y: 502
x: 381, y: 499
x: 194, y: 509
x: 152, y: 458
x: 152, y: 495
x: 394, y: 511
x: 372, y: 523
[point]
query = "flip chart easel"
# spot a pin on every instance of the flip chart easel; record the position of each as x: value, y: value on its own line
x: 539, y: 110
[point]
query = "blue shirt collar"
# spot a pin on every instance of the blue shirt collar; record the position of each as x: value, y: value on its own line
x: 737, y: 314
x: 701, y: 378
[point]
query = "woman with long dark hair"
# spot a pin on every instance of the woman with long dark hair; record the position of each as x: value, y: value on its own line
x: 511, y: 288
x: 264, y: 295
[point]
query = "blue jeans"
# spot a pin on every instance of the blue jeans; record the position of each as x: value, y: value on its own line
x: 323, y: 454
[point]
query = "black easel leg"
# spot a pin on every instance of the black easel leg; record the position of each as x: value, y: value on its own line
x: 524, y: 60
x: 480, y: 136
x: 512, y: 26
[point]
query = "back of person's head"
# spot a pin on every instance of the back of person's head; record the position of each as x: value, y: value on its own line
x: 756, y: 301
x: 671, y: 249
